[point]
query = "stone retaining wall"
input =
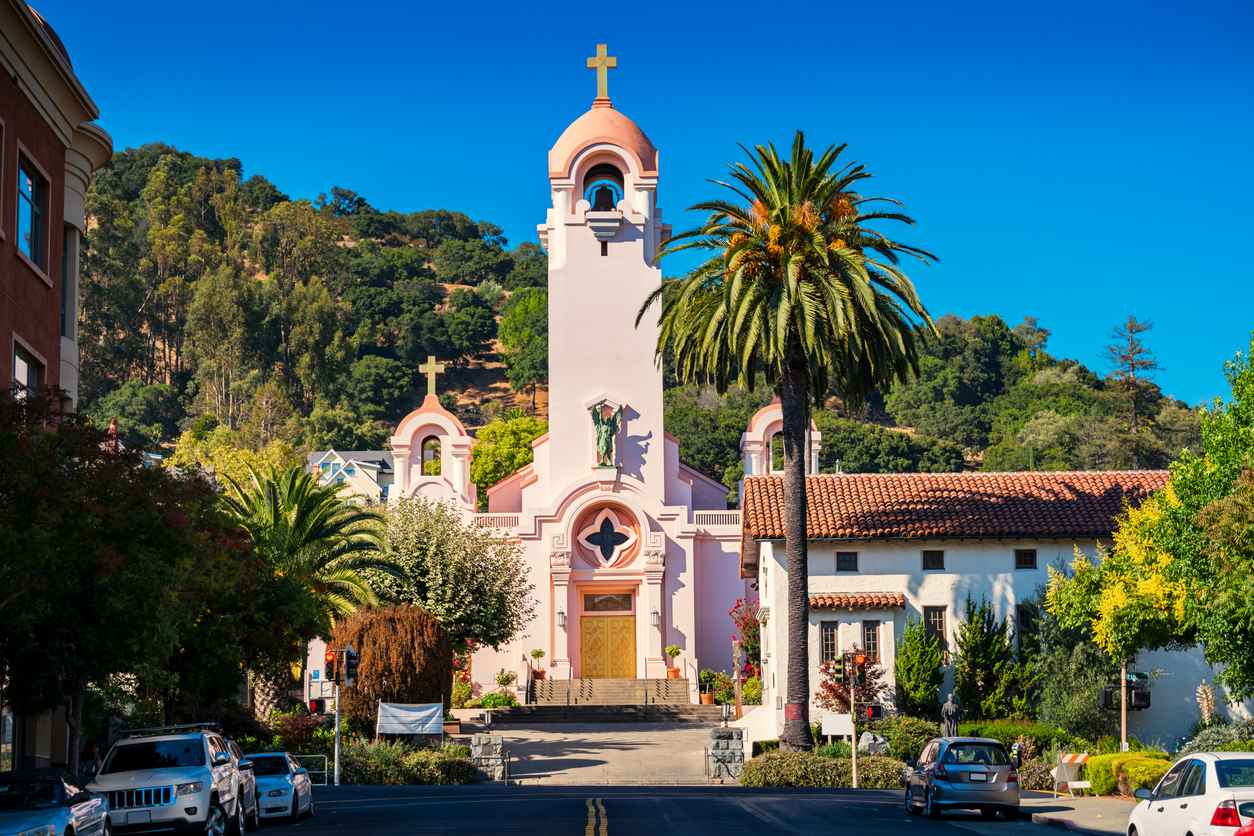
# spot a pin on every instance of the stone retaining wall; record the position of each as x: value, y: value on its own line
x: 727, y: 752
x: 487, y: 753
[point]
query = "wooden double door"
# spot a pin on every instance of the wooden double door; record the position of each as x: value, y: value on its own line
x: 608, y: 646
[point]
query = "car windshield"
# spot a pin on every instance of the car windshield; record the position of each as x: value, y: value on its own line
x: 30, y: 794
x: 1235, y: 773
x: 263, y: 765
x: 154, y: 754
x: 976, y: 754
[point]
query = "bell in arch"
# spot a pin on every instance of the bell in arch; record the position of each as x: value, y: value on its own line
x: 603, y: 200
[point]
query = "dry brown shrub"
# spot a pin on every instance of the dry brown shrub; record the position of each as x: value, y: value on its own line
x: 404, y: 645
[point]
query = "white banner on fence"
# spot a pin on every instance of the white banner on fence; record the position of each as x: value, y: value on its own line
x: 396, y: 718
x: 837, y: 724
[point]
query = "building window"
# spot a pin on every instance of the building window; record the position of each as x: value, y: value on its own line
x: 933, y: 560
x: 339, y: 480
x: 871, y: 638
x: 829, y: 633
x: 1027, y: 622
x: 846, y: 561
x: 326, y: 465
x: 934, y: 625
x: 1025, y: 558
x: 30, y: 213
x: 27, y: 374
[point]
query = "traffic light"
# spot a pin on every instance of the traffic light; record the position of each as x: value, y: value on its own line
x: 874, y: 712
x: 859, y: 667
x: 351, y: 660
x: 1138, y: 699
x: 838, y: 668
x: 332, y: 663
x: 1107, y: 697
x: 317, y: 706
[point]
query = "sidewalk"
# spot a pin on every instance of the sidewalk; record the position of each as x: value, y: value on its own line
x: 639, y: 754
x: 1106, y: 816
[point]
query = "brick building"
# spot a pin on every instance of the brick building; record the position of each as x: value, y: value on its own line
x: 49, y: 147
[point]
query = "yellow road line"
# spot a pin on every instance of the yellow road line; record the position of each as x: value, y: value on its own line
x: 591, y: 829
x: 605, y: 820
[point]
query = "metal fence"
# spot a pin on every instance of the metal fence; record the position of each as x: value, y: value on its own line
x: 304, y: 760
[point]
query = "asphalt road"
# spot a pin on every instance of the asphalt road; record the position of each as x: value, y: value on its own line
x: 620, y: 811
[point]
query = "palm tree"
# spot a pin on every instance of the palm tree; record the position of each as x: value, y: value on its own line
x: 306, y: 533
x: 797, y: 288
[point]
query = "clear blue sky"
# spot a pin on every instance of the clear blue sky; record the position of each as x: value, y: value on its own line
x: 1073, y: 161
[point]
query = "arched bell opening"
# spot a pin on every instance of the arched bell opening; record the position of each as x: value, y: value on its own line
x: 777, y: 453
x: 603, y: 187
x: 431, y: 448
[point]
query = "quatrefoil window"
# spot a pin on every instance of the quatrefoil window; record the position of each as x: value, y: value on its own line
x: 607, y: 537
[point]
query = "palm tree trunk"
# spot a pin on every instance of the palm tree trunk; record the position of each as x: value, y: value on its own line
x: 796, y: 734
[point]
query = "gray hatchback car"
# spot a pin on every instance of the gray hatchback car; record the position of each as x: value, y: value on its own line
x: 963, y: 773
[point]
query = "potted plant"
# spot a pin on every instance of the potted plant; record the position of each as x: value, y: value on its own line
x: 673, y: 672
x: 537, y: 672
x: 451, y: 724
x: 707, y: 678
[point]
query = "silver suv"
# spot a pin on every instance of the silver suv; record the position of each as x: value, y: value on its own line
x: 972, y: 773
x: 175, y: 778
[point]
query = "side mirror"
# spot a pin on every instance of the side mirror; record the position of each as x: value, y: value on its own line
x: 911, y: 765
x: 302, y: 771
x: 79, y: 798
x: 246, y: 765
x: 1144, y: 794
x: 90, y: 771
x: 221, y: 758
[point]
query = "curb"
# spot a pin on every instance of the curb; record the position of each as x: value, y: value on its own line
x: 1061, y: 824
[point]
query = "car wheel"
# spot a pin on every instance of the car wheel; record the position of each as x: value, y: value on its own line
x: 240, y: 824
x: 988, y: 812
x: 933, y: 809
x: 106, y: 829
x: 254, y: 821
x: 216, y: 821
x: 295, y: 806
x: 309, y: 812
x: 1012, y: 813
x: 911, y: 809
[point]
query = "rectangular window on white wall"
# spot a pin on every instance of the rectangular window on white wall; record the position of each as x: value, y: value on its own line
x: 1025, y: 558
x: 871, y: 638
x: 934, y: 624
x: 846, y: 561
x: 934, y: 559
x: 829, y: 637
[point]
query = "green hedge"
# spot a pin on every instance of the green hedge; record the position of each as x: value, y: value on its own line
x: 1141, y: 773
x: 806, y: 769
x: 397, y: 764
x: 760, y: 746
x: 1043, y: 737
x: 907, y: 736
x: 1111, y: 774
x: 1237, y: 746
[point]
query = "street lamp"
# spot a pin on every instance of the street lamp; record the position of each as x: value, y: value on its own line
x: 655, y: 618
x: 561, y: 618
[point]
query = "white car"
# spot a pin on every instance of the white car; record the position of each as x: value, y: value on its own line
x: 283, y: 786
x: 177, y: 778
x: 1207, y: 794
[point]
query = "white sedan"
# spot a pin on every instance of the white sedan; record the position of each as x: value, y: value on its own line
x: 283, y: 786
x: 1207, y: 794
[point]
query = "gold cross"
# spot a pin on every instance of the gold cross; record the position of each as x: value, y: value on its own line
x: 602, y: 64
x: 430, y: 369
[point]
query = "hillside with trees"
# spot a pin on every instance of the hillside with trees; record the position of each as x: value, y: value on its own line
x: 216, y: 310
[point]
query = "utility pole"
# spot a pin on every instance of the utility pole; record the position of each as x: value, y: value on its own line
x: 853, y: 717
x: 1123, y: 704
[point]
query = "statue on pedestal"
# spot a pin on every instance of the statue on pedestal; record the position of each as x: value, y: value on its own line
x: 606, y: 428
x: 951, y: 714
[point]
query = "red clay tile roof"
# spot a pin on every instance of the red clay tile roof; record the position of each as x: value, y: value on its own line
x: 950, y: 505
x: 861, y: 600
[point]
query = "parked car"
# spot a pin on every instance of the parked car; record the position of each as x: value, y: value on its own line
x: 173, y: 778
x: 283, y: 786
x: 247, y: 786
x: 42, y: 802
x: 1207, y: 794
x: 955, y: 773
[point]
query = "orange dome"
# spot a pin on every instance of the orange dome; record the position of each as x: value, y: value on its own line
x: 602, y: 124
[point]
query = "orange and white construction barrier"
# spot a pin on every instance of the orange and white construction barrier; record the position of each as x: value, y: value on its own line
x: 1067, y: 771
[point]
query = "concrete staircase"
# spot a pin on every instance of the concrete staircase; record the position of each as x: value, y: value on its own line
x: 608, y: 692
x: 609, y: 701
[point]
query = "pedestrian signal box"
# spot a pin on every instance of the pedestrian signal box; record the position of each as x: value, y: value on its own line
x: 317, y: 706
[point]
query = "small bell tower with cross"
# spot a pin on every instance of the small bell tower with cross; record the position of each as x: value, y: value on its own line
x: 601, y: 235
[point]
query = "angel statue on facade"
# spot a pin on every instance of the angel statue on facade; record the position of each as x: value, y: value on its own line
x: 607, y: 428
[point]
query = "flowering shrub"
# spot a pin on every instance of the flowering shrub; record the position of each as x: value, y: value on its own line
x: 1035, y: 775
x: 398, y: 764
x: 496, y: 700
x: 808, y: 769
x: 749, y: 631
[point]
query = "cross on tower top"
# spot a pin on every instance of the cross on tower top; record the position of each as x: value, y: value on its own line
x: 602, y: 64
x: 431, y: 369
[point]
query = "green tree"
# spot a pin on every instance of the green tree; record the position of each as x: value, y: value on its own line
x: 919, y: 672
x: 471, y: 262
x: 524, y: 338
x: 800, y: 287
x: 146, y: 415
x: 503, y: 447
x: 470, y: 578
x: 304, y: 532
x: 986, y: 673
x: 531, y: 267
x: 380, y: 388
x: 1133, y: 365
